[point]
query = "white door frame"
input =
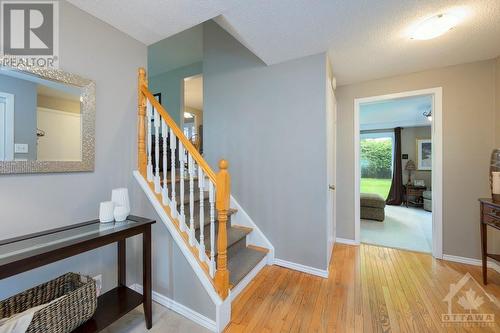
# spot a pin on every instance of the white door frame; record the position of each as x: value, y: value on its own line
x: 9, y: 126
x: 437, y: 162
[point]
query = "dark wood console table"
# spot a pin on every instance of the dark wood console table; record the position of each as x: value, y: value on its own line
x: 24, y: 253
x: 490, y: 217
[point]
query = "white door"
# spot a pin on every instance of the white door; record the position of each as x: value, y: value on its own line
x: 331, y: 105
x: 6, y: 127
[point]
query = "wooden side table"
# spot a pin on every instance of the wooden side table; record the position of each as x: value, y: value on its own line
x: 414, y: 191
x: 490, y: 217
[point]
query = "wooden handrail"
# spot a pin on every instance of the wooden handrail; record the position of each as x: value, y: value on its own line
x: 221, y: 180
x: 188, y: 145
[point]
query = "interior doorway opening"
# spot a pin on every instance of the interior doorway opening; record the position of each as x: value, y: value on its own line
x: 398, y: 170
x: 193, y: 110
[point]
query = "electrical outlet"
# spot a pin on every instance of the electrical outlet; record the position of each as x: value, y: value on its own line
x: 98, y: 283
x: 21, y: 148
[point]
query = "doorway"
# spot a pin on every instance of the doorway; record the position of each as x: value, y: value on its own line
x: 193, y: 110
x: 378, y: 138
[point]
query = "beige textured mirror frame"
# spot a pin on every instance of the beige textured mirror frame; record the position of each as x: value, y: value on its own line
x: 88, y: 125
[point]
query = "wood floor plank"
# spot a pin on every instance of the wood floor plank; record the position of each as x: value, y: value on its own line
x: 369, y: 289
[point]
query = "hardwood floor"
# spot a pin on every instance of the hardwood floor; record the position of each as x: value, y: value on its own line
x: 370, y: 289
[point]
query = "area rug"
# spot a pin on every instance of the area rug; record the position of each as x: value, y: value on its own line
x: 403, y: 228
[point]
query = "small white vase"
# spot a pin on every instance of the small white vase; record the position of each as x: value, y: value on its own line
x: 106, y: 211
x: 120, y: 213
x: 120, y: 198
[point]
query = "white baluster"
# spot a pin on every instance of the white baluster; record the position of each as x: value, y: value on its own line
x: 191, y: 199
x: 164, y: 132
x: 211, y: 199
x: 201, y: 186
x: 157, y: 151
x: 182, y: 159
x: 149, y: 169
x: 173, y: 202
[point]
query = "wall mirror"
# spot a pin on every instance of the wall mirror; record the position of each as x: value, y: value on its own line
x: 47, y: 121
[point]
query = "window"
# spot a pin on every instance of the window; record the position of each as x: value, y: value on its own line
x: 376, y: 156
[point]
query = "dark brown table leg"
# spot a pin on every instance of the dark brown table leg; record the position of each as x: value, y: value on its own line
x: 122, y: 263
x: 146, y: 276
x: 484, y: 247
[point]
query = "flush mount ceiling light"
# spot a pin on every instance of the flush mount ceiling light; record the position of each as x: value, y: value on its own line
x: 188, y: 115
x: 435, y: 26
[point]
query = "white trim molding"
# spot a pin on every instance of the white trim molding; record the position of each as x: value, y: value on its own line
x: 471, y: 261
x: 301, y: 268
x: 180, y: 309
x: 437, y: 162
x: 346, y: 241
x: 256, y: 237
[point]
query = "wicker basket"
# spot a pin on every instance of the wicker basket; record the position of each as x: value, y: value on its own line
x: 61, y: 316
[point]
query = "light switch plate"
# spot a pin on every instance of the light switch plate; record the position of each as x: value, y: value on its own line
x: 21, y: 148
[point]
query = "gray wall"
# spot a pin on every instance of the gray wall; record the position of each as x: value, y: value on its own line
x: 269, y: 123
x: 24, y: 112
x: 409, y: 135
x: 468, y: 138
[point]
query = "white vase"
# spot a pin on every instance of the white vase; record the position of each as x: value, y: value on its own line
x: 120, y: 198
x: 120, y: 213
x: 106, y: 211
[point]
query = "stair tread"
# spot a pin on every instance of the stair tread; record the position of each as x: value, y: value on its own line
x: 242, y: 262
x: 178, y: 178
x: 234, y: 235
x: 196, y: 197
x: 206, y: 216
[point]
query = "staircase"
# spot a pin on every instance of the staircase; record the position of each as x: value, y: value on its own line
x: 241, y: 258
x: 192, y: 200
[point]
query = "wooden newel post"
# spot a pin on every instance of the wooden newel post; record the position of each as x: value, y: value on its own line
x: 141, y: 131
x: 223, y: 188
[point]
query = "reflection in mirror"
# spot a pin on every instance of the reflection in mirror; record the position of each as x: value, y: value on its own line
x: 40, y: 119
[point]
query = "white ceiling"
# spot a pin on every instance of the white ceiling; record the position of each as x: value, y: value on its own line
x: 193, y: 92
x: 398, y: 112
x: 153, y: 20
x: 365, y: 39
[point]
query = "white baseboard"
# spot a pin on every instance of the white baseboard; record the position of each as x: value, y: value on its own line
x: 346, y: 241
x: 180, y: 309
x: 471, y: 261
x: 256, y: 237
x: 247, y: 279
x: 301, y: 268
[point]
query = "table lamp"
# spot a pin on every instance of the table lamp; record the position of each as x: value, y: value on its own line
x: 410, y: 166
